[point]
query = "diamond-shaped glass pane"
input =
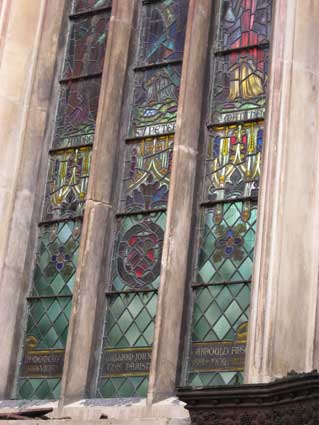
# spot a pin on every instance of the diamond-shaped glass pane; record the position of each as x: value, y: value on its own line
x: 220, y: 309
x: 123, y: 387
x: 129, y: 317
x: 48, y: 322
x: 38, y: 389
x: 227, y: 243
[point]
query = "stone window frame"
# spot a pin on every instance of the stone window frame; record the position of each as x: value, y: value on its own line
x: 261, y: 363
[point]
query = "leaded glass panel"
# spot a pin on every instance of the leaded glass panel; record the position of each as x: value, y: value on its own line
x: 85, y: 53
x: 233, y: 161
x: 220, y: 311
x: 56, y: 259
x: 240, y: 85
x: 77, y: 111
x: 138, y: 252
x: 48, y: 321
x: 67, y: 183
x: 147, y: 170
x: 130, y: 320
x: 80, y: 6
x: 38, y: 388
x: 227, y: 243
x: 155, y: 101
x: 245, y: 23
x: 127, y: 345
x: 163, y: 31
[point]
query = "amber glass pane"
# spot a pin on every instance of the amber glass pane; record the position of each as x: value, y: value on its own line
x: 240, y: 85
x: 233, y: 161
x: 67, y: 183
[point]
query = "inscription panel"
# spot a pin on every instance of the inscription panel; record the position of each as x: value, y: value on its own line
x: 218, y: 356
x: 126, y: 362
x: 43, y: 364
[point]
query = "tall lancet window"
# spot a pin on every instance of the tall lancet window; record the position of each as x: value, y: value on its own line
x: 50, y: 299
x: 233, y: 144
x: 134, y: 276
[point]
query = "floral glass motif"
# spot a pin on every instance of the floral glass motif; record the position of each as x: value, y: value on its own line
x: 227, y: 243
x: 67, y: 183
x: 155, y: 101
x: 245, y: 23
x: 80, y: 6
x: 163, y: 31
x: 56, y: 259
x: 233, y: 161
x: 240, y: 85
x: 147, y: 173
x: 86, y: 48
x: 77, y: 111
x: 138, y: 252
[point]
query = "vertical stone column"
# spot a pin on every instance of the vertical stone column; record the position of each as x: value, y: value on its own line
x: 28, y: 49
x: 283, y: 318
x: 165, y: 354
x: 87, y: 317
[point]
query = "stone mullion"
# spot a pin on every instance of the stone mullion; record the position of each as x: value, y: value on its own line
x: 283, y: 318
x: 85, y: 327
x: 30, y: 125
x: 168, y: 325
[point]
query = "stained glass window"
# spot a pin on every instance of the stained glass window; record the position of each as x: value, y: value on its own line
x: 147, y: 171
x: 67, y: 183
x: 228, y: 210
x: 233, y: 161
x: 163, y: 31
x: 50, y: 300
x: 140, y: 220
x: 155, y: 101
x: 77, y: 111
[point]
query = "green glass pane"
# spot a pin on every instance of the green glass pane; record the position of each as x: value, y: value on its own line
x: 221, y: 309
x: 138, y: 251
x: 228, y: 237
x: 133, y: 386
x: 130, y: 316
x: 215, y: 379
x: 39, y: 389
x: 47, y: 322
x: 67, y: 183
x: 57, y: 258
